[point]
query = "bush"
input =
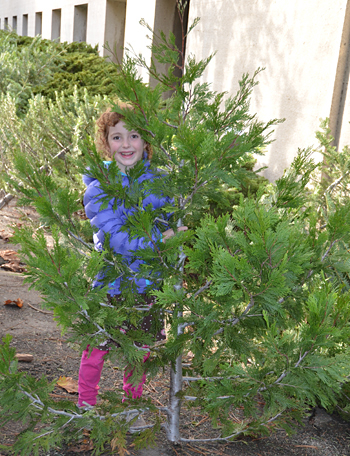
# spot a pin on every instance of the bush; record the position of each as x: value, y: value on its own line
x: 24, y: 68
x: 30, y: 66
x: 49, y: 133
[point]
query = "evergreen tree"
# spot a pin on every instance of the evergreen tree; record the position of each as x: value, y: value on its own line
x: 258, y: 295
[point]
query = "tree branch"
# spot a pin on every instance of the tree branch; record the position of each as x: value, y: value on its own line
x: 238, y: 319
x: 335, y: 183
x: 7, y: 198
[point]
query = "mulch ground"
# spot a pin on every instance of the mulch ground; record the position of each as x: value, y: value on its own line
x: 34, y: 332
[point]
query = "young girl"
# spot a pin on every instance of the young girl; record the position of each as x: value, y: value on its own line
x: 126, y: 147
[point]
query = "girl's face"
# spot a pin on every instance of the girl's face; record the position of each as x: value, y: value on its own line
x: 125, y: 146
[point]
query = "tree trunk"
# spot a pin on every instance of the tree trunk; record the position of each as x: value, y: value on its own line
x: 175, y: 402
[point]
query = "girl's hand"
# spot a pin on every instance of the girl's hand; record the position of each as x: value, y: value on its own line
x: 169, y: 233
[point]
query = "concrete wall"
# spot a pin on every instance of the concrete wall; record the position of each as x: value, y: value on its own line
x: 164, y: 20
x: 136, y: 40
x: 115, y: 29
x: 95, y: 20
x: 298, y: 42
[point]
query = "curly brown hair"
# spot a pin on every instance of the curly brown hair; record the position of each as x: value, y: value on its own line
x: 108, y: 119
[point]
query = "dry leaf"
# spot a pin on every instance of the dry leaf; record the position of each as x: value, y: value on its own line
x: 85, y: 445
x: 5, y: 235
x: 67, y: 383
x: 9, y: 255
x: 11, y: 261
x: 116, y: 445
x: 18, y: 302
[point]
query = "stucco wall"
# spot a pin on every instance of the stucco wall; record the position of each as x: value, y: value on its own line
x: 115, y: 29
x: 115, y: 21
x: 135, y: 34
x: 298, y: 43
x: 96, y: 14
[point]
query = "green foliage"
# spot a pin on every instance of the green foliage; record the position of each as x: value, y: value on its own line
x: 24, y: 68
x: 48, y: 135
x: 262, y: 298
x: 50, y: 97
x: 31, y: 66
x: 83, y: 70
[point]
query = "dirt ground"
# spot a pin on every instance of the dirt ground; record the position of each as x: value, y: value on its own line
x: 34, y: 332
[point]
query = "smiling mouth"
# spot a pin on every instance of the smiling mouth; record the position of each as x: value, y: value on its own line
x: 126, y: 154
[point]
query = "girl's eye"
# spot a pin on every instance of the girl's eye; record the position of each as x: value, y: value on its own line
x: 134, y: 136
x: 116, y: 138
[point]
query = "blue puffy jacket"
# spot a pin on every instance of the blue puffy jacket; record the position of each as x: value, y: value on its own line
x: 110, y: 221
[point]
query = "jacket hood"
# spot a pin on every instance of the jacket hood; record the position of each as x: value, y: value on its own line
x: 88, y: 179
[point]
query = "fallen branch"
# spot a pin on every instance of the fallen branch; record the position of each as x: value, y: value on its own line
x: 39, y: 310
x: 6, y: 199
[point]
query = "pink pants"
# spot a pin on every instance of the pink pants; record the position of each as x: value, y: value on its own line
x: 90, y: 374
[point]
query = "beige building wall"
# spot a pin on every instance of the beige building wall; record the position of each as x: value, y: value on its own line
x: 93, y: 21
x: 297, y: 42
x: 136, y: 40
x: 95, y: 18
x: 115, y: 29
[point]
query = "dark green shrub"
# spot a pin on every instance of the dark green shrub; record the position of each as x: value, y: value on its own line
x: 31, y: 66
